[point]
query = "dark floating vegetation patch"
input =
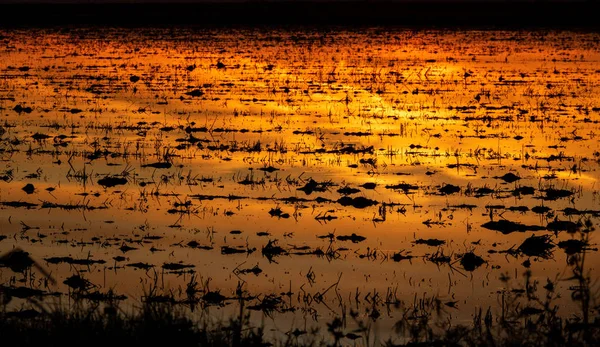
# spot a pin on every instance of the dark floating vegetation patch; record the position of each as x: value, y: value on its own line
x: 28, y: 188
x: 541, y: 209
x: 357, y: 202
x: 405, y: 187
x: 112, y: 181
x: 143, y: 266
x: 20, y: 109
x: 430, y: 242
x: 348, y: 190
x: 70, y: 207
x: 524, y: 190
x: 354, y: 238
x: 554, y: 194
x: 449, y: 189
x: 369, y: 185
x: 18, y: 204
x: 574, y: 246
x: 226, y: 250
x: 278, y: 212
x: 470, y: 261
x: 97, y: 296
x: 158, y: 165
x: 255, y: 270
x: 509, y: 177
x: 537, y: 246
x: 69, y: 260
x: 25, y: 292
x: 563, y: 225
x: 402, y: 255
x: 506, y: 227
x: 195, y: 93
x: 177, y: 266
x: 271, y: 250
x: 79, y: 283
x: 314, y: 186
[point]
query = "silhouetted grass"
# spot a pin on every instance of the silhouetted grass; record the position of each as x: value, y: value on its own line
x: 153, y: 324
x: 528, y: 316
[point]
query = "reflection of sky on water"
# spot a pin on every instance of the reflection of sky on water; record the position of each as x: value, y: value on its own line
x: 436, y: 108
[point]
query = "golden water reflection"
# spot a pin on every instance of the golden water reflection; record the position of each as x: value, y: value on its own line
x: 214, y: 131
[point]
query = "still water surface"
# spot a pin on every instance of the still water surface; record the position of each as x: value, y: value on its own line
x: 249, y: 155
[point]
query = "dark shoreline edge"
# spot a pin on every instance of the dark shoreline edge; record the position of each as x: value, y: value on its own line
x: 427, y: 14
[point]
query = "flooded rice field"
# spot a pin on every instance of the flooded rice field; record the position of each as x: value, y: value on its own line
x: 307, y: 174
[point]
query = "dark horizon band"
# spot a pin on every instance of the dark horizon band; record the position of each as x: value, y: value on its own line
x: 460, y: 14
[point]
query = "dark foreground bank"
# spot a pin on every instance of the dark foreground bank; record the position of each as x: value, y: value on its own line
x: 470, y: 14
